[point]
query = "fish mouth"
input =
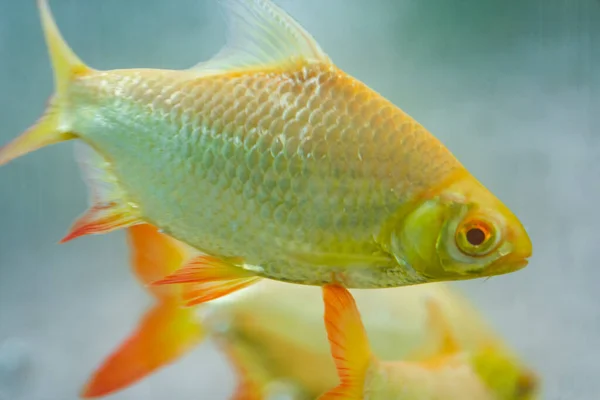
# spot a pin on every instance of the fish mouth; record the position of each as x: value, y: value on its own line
x: 507, y: 264
x: 527, y: 386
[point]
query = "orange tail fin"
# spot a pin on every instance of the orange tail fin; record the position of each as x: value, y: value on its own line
x: 166, y: 332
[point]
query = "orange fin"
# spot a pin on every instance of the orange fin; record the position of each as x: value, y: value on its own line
x: 209, y: 278
x: 246, y: 390
x: 109, y: 210
x: 165, y: 333
x: 155, y: 255
x: 99, y: 219
x: 248, y: 371
x: 348, y: 341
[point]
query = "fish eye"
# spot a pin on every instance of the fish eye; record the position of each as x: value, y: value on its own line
x: 476, y: 237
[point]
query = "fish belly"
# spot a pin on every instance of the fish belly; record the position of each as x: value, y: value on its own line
x: 294, y: 172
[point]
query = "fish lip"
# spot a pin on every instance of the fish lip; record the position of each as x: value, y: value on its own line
x: 508, y: 264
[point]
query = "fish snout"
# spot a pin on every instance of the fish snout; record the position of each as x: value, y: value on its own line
x: 518, y: 257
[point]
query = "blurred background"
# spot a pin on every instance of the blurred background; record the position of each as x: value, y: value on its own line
x: 512, y: 87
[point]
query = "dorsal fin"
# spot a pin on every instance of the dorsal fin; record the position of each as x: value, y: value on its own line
x: 441, y: 333
x: 438, y: 322
x: 262, y: 35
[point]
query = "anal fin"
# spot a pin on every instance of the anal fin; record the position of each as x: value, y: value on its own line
x: 208, y: 278
x: 110, y: 209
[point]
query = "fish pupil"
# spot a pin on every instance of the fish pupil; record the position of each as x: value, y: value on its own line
x: 475, y: 236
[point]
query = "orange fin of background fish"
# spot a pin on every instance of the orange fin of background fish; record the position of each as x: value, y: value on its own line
x: 155, y: 255
x: 245, y: 392
x: 261, y: 35
x: 442, y: 333
x: 166, y: 333
x: 109, y: 210
x: 208, y: 278
x: 252, y: 371
x: 348, y: 341
x: 246, y: 370
x: 53, y: 127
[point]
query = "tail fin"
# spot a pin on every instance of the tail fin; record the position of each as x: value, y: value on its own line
x: 52, y: 127
x: 349, y: 343
x: 166, y: 332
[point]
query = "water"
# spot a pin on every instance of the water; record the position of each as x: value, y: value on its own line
x: 511, y: 87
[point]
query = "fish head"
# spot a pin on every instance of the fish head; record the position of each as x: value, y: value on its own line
x: 461, y: 232
x: 504, y: 375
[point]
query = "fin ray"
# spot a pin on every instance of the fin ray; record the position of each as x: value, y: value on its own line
x: 165, y: 333
x: 109, y: 210
x: 260, y: 34
x: 209, y: 278
x: 348, y: 341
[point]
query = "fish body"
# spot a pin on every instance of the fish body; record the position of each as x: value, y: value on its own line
x: 288, y: 168
x: 274, y: 163
x: 280, y: 347
x: 453, y: 381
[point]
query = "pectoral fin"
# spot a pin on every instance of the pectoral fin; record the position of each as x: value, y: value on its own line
x: 209, y: 278
x: 348, y: 341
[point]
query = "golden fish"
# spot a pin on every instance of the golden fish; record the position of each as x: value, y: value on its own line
x: 276, y: 164
x: 280, y: 347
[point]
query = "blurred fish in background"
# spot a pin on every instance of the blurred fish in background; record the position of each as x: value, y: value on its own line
x: 501, y: 83
x: 450, y: 374
x: 279, y: 348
